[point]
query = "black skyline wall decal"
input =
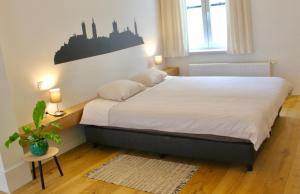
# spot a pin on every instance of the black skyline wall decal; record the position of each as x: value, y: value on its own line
x: 80, y: 46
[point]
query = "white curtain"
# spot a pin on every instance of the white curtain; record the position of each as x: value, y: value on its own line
x: 174, y: 28
x: 240, y: 40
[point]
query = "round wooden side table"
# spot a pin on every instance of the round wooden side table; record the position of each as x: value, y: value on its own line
x: 52, y: 152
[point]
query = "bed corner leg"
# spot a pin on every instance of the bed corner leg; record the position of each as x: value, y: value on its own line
x: 249, y: 167
x: 95, y: 145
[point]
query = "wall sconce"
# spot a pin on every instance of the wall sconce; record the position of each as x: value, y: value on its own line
x: 56, y: 98
x: 45, y: 85
x: 150, y: 48
x: 158, y: 60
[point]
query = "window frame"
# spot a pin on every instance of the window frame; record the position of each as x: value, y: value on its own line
x: 206, y: 20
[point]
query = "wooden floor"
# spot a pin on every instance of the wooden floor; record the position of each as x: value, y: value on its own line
x: 276, y: 171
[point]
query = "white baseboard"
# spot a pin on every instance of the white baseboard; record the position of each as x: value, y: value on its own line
x: 3, y: 182
x: 15, y: 177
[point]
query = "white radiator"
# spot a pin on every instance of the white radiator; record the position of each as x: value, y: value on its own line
x: 260, y: 69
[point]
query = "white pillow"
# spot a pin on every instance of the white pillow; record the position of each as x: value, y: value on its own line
x: 150, y: 78
x: 120, y: 90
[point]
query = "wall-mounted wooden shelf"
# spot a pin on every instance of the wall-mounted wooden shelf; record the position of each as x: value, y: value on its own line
x: 70, y: 119
x: 172, y: 71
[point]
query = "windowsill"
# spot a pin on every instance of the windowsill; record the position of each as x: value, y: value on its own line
x: 208, y: 51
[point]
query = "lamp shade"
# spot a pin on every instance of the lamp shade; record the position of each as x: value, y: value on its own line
x: 55, y: 96
x: 158, y: 60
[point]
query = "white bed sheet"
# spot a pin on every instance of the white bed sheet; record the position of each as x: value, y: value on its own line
x: 238, y: 107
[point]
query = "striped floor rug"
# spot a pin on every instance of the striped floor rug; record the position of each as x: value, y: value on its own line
x: 148, y: 174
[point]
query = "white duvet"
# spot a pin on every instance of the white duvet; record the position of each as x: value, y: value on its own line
x: 238, y: 107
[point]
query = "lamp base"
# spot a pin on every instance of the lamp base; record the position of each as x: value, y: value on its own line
x: 58, y: 114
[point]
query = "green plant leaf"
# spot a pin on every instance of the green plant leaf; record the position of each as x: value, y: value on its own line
x: 7, y: 143
x: 38, y: 113
x: 12, y: 139
x: 53, y: 136
x: 56, y: 125
x: 35, y: 137
x: 27, y: 130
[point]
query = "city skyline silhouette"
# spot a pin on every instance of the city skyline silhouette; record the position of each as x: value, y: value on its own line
x: 80, y: 46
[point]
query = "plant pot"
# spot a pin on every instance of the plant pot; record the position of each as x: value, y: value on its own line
x: 39, y: 148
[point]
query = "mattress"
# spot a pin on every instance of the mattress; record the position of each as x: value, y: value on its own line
x: 235, y: 107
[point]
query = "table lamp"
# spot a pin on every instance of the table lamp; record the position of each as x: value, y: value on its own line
x: 158, y: 60
x: 55, y: 97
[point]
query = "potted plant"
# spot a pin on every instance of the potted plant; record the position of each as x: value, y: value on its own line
x: 37, y: 138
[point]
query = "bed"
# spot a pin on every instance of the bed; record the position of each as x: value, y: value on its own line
x: 224, y: 119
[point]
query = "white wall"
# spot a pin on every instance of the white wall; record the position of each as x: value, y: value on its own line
x: 14, y: 172
x: 276, y: 36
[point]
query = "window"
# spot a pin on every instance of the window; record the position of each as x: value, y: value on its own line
x: 207, y: 24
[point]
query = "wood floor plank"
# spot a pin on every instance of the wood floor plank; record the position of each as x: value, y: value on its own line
x: 205, y: 180
x: 293, y: 182
x: 230, y: 182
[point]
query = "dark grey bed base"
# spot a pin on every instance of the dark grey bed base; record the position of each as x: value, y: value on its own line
x: 194, y: 148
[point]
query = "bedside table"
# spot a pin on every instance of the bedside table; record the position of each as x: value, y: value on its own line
x: 172, y: 71
x: 52, y: 152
